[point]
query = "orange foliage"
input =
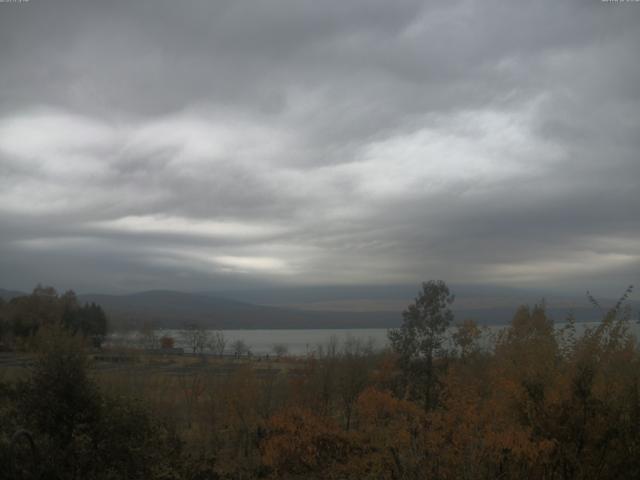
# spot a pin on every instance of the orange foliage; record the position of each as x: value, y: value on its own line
x: 300, y: 442
x: 166, y: 342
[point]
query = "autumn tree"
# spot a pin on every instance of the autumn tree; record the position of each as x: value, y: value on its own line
x: 195, y: 337
x: 166, y: 342
x: 280, y: 350
x: 149, y: 336
x: 466, y: 337
x: 353, y: 374
x: 302, y: 444
x: 239, y: 348
x: 528, y: 350
x: 321, y: 376
x: 420, y: 339
x: 25, y: 315
x: 391, y: 442
x: 594, y: 422
x: 29, y: 312
x: 217, y: 342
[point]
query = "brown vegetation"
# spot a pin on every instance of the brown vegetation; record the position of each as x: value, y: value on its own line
x: 542, y: 403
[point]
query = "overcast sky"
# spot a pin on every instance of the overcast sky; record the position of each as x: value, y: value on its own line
x: 203, y: 145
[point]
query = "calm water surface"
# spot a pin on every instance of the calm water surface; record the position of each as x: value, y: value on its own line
x: 303, y: 342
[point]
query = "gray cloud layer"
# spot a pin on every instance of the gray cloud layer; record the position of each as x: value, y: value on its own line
x: 214, y: 144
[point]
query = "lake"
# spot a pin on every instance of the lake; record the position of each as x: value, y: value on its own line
x: 304, y: 342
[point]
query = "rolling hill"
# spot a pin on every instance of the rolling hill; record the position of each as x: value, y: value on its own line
x: 174, y: 309
x: 331, y: 307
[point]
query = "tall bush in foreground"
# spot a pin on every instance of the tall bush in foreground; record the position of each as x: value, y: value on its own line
x: 80, y: 433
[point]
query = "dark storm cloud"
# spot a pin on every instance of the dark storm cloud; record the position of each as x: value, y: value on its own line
x: 206, y: 144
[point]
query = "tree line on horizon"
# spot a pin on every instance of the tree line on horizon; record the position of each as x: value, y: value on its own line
x: 21, y: 317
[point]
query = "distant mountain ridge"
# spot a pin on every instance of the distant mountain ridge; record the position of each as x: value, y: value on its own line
x: 172, y: 309
x: 9, y: 294
x: 330, y: 307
